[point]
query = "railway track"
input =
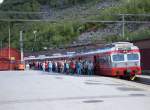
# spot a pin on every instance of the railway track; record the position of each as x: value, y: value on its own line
x: 143, y: 79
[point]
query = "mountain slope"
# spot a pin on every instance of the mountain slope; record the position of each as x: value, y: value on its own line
x: 69, y: 26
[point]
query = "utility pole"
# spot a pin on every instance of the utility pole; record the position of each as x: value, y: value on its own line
x: 123, y: 25
x: 21, y: 46
x: 1, y: 47
x: 9, y: 40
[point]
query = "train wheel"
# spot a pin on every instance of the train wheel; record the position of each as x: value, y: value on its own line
x: 118, y: 77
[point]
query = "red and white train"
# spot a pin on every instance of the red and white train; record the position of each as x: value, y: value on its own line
x: 120, y: 59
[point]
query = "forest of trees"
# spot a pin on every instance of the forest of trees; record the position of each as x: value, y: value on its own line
x: 63, y: 32
x: 34, y: 5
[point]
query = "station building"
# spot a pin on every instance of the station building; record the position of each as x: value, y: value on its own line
x: 9, y: 58
x: 144, y: 46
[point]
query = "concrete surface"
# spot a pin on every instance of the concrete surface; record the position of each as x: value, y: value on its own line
x: 144, y: 79
x: 35, y: 90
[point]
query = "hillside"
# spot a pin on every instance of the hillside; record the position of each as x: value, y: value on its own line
x: 70, y: 24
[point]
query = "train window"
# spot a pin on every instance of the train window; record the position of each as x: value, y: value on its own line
x: 118, y: 57
x: 132, y: 56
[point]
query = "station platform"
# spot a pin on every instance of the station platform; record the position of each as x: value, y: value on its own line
x: 36, y: 90
x: 144, y: 79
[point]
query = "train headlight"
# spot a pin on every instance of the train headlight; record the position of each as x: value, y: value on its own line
x: 117, y: 72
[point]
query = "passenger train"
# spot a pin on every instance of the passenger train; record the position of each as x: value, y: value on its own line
x: 120, y: 59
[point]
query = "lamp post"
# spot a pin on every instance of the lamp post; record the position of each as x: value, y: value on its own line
x: 21, y: 46
x: 34, y: 32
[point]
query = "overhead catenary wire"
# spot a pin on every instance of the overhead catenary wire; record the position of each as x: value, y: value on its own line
x: 72, y: 18
x: 85, y: 13
x: 21, y: 12
x: 55, y: 21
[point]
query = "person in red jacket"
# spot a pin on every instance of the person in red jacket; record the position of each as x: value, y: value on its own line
x: 72, y: 67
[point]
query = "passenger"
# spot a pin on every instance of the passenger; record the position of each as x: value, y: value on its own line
x: 61, y: 66
x: 50, y: 66
x: 46, y: 66
x: 53, y: 66
x: 39, y: 66
x: 76, y: 67
x: 85, y: 67
x: 79, y: 67
x: 36, y: 65
x: 90, y: 68
x: 43, y: 66
x: 56, y: 66
x: 27, y: 66
x: 67, y: 67
x: 30, y: 65
x: 82, y: 69
x: 72, y: 67
x: 33, y: 65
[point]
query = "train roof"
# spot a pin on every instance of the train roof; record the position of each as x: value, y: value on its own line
x: 106, y: 48
x: 116, y: 44
x: 47, y: 57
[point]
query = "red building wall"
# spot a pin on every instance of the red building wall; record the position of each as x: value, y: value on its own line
x: 145, y: 59
x: 7, y: 63
x: 13, y: 53
x: 144, y: 46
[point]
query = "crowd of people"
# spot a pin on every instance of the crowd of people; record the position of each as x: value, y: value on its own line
x: 79, y: 67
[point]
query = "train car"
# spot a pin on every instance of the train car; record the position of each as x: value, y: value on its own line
x: 120, y: 59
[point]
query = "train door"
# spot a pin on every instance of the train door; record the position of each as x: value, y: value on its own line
x: 96, y: 64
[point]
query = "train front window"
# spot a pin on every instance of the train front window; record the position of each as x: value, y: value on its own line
x: 132, y: 56
x: 118, y: 57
